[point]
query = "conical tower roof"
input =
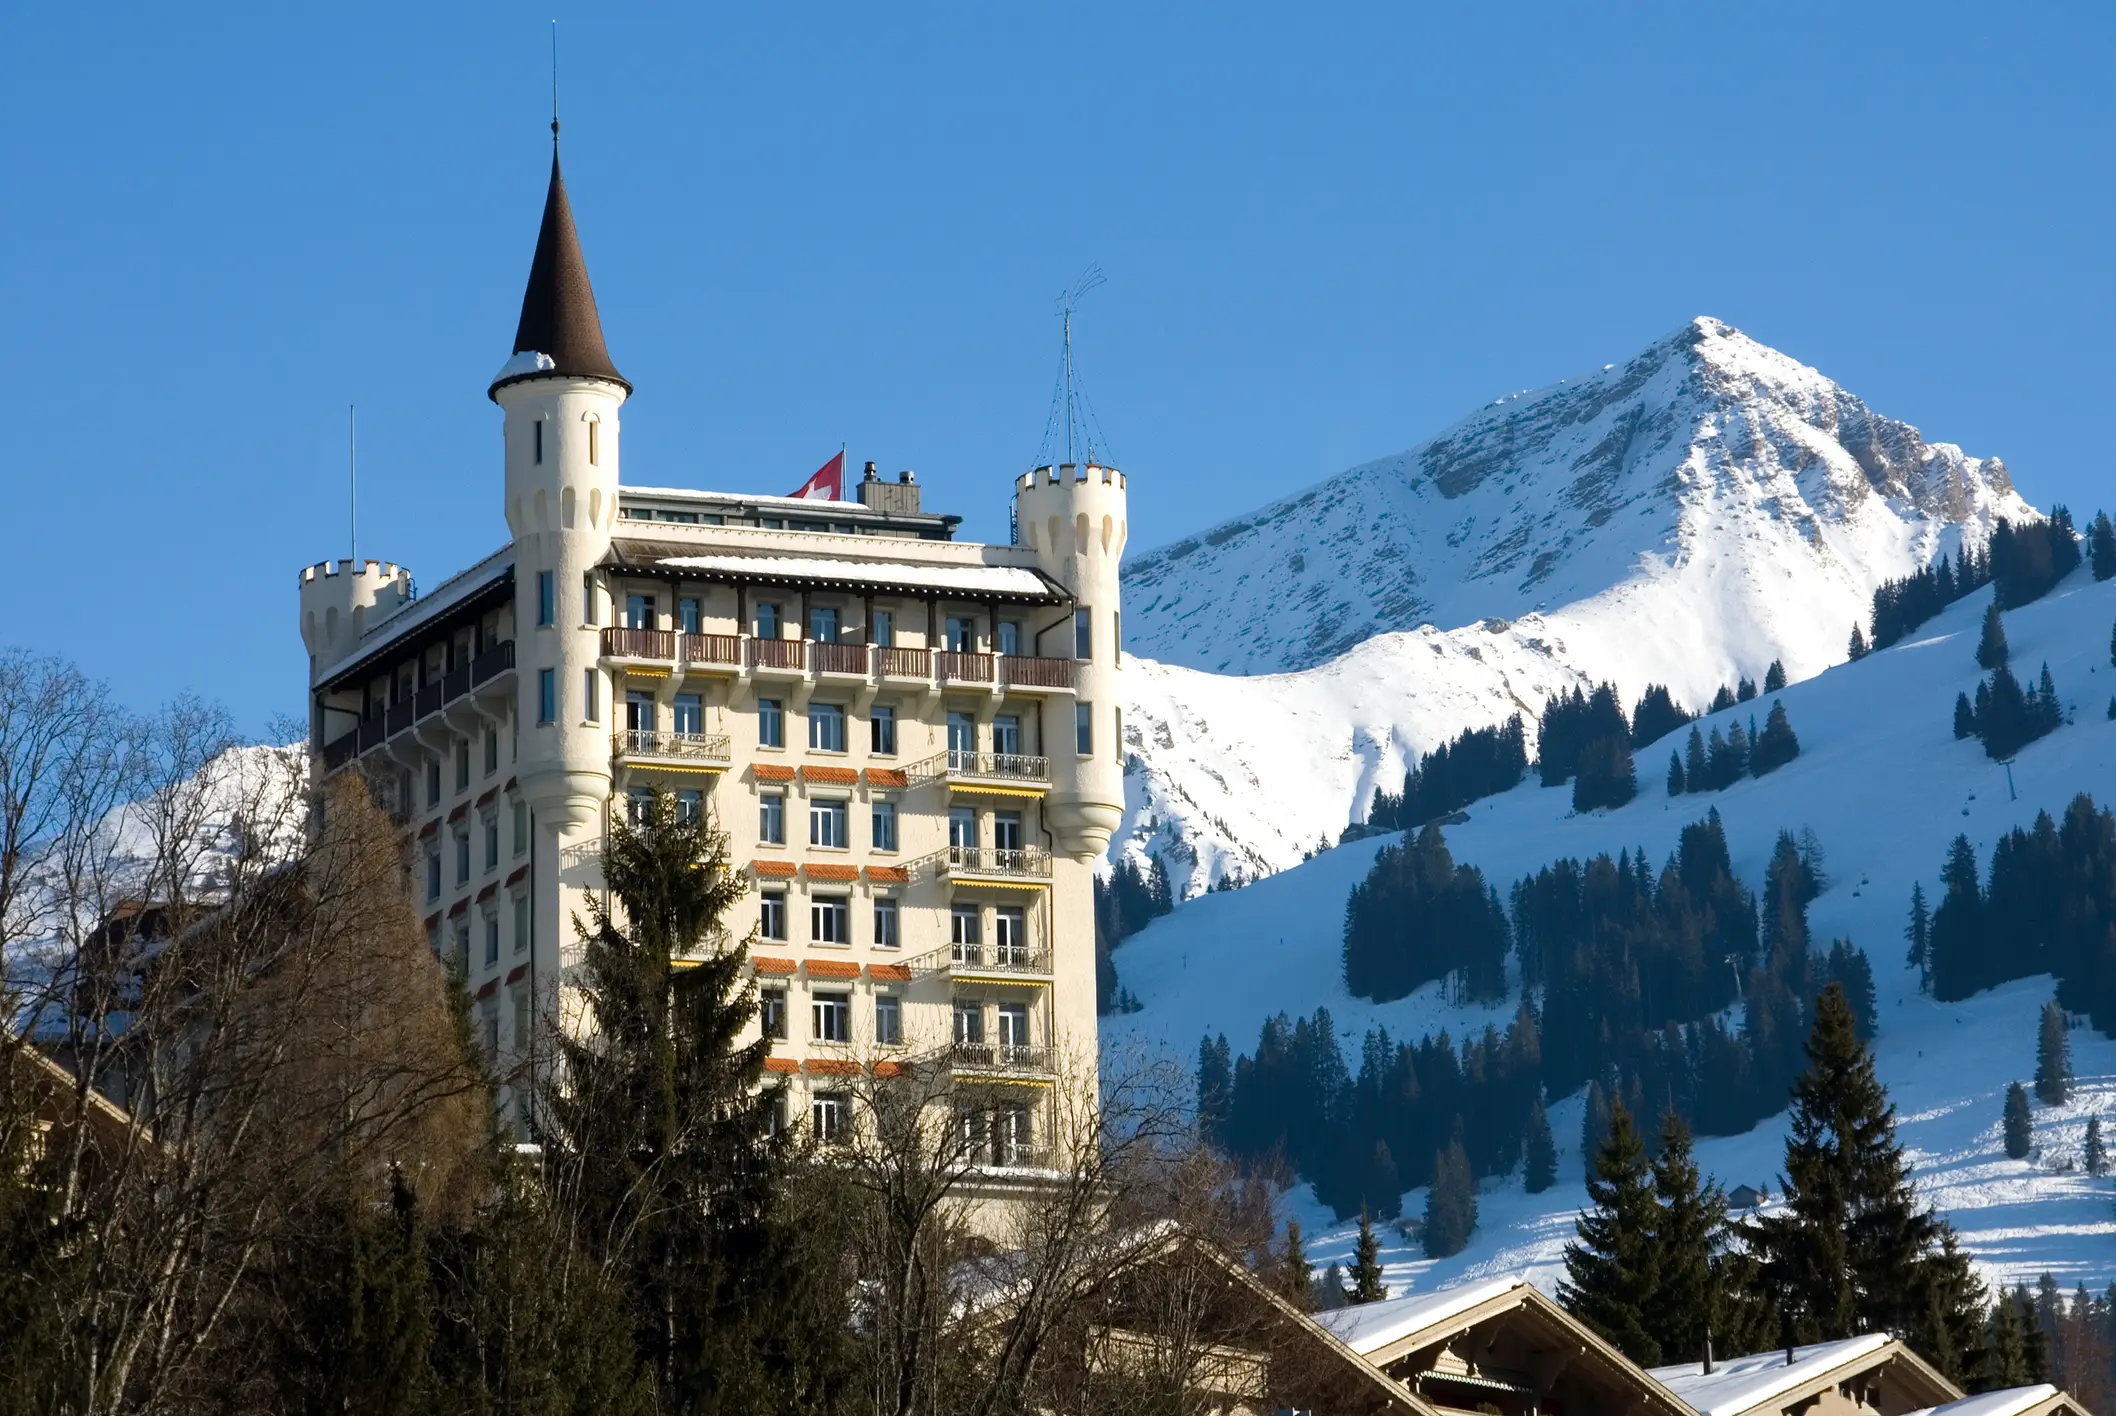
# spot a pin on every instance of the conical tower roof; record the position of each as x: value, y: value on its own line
x: 559, y: 321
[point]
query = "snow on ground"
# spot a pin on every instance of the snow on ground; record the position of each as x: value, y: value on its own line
x: 1885, y: 786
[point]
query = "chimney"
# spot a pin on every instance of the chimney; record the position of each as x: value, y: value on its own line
x: 898, y: 498
x: 1708, y: 1350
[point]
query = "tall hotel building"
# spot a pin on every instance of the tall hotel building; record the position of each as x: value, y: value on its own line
x: 913, y: 742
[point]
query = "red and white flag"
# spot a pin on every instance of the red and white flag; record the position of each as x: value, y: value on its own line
x: 828, y: 484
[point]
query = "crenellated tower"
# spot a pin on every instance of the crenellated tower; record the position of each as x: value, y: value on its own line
x: 1072, y: 517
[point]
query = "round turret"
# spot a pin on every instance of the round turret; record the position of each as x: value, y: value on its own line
x: 1072, y: 517
x: 338, y: 598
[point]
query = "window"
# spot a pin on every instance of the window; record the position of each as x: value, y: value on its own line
x: 687, y: 616
x: 831, y: 1016
x: 1013, y: 1024
x: 590, y: 696
x: 639, y: 612
x: 1116, y: 735
x: 462, y: 764
x: 492, y: 751
x: 1013, y: 1135
x: 885, y: 935
x: 546, y: 599
x: 881, y: 628
x: 771, y: 818
x: 459, y: 958
x: 433, y: 872
x: 538, y: 428
x: 767, y: 620
x: 492, y: 840
x: 822, y: 624
x: 969, y: 1023
x: 690, y: 806
x: 587, y: 597
x: 830, y: 919
x: 771, y: 723
x: 1006, y: 735
x: 829, y: 1116
x: 639, y: 806
x: 1010, y: 935
x: 826, y: 824
x: 639, y: 711
x: 521, y: 1020
x: 462, y: 856
x: 962, y: 827
x: 1084, y: 729
x: 888, y: 1020
x: 881, y: 731
x: 689, y: 714
x: 965, y: 937
x: 595, y: 442
x: 492, y: 937
x: 1008, y: 639
x: 962, y: 733
x: 960, y: 636
x: 826, y: 727
x: 521, y: 924
x: 1006, y: 830
x: 771, y: 918
x: 771, y: 1013
x: 433, y: 782
x: 521, y: 827
x: 547, y: 695
x: 489, y: 1025
x: 1083, y: 635
x: 884, y: 820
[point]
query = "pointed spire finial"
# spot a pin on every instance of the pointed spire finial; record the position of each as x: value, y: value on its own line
x: 554, y: 84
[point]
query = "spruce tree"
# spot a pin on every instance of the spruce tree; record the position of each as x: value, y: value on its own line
x: 1965, y: 717
x: 2019, y: 1123
x: 1991, y: 642
x: 1852, y: 1251
x: 2101, y: 546
x: 1296, y: 1274
x: 1594, y: 1125
x: 1697, y: 767
x: 2094, y: 1155
x: 1215, y: 1087
x: 1367, y: 1286
x: 1675, y: 774
x: 1451, y: 1205
x: 1330, y: 1288
x: 1776, y: 745
x: 1774, y: 676
x: 1685, y: 1305
x: 1611, y: 1280
x: 1541, y: 1166
x: 1858, y: 644
x: 1919, y: 933
x: 2053, y: 1058
x: 1745, y: 690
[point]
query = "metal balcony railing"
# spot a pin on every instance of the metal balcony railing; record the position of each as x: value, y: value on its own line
x: 402, y: 715
x: 1031, y: 863
x: 1000, y: 958
x: 492, y: 663
x: 684, y: 747
x: 1000, y: 1057
x: 1007, y: 766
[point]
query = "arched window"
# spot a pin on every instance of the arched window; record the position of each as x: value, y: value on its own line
x: 594, y: 440
x: 539, y: 427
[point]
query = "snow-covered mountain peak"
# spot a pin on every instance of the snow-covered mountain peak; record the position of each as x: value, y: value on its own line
x: 1705, y: 448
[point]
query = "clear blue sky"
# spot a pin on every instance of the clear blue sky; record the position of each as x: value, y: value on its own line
x: 1328, y: 231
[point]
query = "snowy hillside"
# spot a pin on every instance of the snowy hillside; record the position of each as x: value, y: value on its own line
x: 1684, y: 518
x: 1885, y: 785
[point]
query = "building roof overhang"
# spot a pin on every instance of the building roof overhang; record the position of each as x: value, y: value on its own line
x: 1000, y: 584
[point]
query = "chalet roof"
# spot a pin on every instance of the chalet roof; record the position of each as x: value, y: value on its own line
x: 1738, y: 1384
x: 2008, y: 1401
x: 1369, y: 1327
x: 560, y: 332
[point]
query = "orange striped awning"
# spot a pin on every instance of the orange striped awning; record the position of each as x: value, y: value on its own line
x: 827, y: 870
x: 771, y: 772
x: 900, y: 973
x: 839, y: 776
x: 888, y: 874
x: 774, y: 869
x: 768, y: 965
x: 886, y: 777
x: 781, y: 1064
x: 833, y: 1067
x: 833, y: 968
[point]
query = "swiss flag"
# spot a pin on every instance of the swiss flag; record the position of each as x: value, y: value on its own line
x: 828, y: 484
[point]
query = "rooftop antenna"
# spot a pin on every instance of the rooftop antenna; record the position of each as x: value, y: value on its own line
x: 352, y: 481
x: 554, y: 83
x: 1067, y: 303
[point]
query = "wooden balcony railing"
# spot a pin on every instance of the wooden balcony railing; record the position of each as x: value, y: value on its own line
x: 625, y: 643
x: 841, y: 658
x: 906, y: 663
x: 965, y: 668
x: 1029, y: 672
x: 711, y: 648
x: 778, y: 654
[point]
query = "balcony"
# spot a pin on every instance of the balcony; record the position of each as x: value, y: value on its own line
x: 712, y: 650
x: 841, y: 658
x: 905, y: 663
x: 1006, y: 772
x: 999, y: 1059
x: 962, y: 667
x: 619, y: 642
x: 790, y: 654
x: 993, y: 961
x: 992, y: 863
x: 1025, y: 671
x: 695, y: 749
x: 406, y: 713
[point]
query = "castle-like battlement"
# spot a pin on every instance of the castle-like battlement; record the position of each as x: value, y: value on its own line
x: 325, y: 570
x: 1080, y: 472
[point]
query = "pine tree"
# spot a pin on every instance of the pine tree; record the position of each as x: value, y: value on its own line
x: 2101, y: 546
x: 1594, y: 1125
x: 1852, y: 1251
x: 1541, y: 1166
x: 1675, y: 774
x: 1991, y: 643
x: 1451, y: 1205
x: 1776, y: 745
x: 1296, y: 1274
x: 2094, y: 1155
x: 1858, y: 644
x: 1367, y: 1286
x: 1686, y: 1303
x: 1848, y: 968
x: 1919, y: 933
x: 2053, y: 1058
x: 1774, y: 677
x: 1965, y: 717
x: 1330, y: 1288
x: 1215, y: 1087
x: 2019, y: 1123
x: 1611, y: 1279
x: 2035, y: 1337
x: 1745, y: 690
x: 1697, y: 767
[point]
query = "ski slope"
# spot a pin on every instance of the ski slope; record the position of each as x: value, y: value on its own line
x: 1885, y: 786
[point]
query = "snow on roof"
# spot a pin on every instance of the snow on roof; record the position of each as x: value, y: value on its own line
x: 970, y: 579
x: 791, y: 503
x: 2008, y: 1401
x: 1736, y: 1384
x: 1369, y: 1327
